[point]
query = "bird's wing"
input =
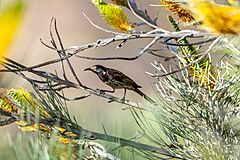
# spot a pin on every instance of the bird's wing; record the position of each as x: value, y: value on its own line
x: 121, y: 77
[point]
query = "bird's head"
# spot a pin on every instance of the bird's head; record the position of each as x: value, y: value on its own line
x: 96, y: 69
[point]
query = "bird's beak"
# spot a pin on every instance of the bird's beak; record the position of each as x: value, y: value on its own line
x: 88, y: 69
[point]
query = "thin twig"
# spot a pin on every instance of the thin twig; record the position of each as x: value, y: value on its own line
x: 193, y: 62
x: 124, y: 58
x: 100, y: 28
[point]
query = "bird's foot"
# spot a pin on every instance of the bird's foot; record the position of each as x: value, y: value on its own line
x: 101, y: 92
x: 124, y: 100
x: 110, y: 101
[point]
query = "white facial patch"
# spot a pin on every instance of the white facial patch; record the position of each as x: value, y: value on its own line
x: 104, y: 73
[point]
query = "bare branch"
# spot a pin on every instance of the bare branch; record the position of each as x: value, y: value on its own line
x: 191, y: 63
x: 124, y: 58
x: 142, y: 15
x: 98, y: 27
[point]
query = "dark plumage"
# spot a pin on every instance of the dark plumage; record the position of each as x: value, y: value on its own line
x: 117, y: 80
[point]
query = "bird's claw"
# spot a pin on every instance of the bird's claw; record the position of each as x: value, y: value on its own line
x: 124, y: 100
x: 110, y: 101
x: 101, y: 92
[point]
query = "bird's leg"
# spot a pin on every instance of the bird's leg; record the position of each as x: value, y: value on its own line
x: 124, y: 95
x: 110, y: 101
x: 123, y: 99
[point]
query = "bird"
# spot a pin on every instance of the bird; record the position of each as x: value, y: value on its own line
x: 117, y: 80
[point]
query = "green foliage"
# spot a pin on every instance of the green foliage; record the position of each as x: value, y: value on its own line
x: 35, y: 147
x: 196, y: 121
x: 197, y: 115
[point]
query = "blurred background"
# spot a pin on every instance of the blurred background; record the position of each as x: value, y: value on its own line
x: 24, y: 22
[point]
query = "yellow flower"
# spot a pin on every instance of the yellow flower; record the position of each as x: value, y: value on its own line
x: 21, y: 123
x: 182, y: 13
x: 216, y: 17
x: 37, y: 127
x: 120, y: 3
x: 10, y: 20
x: 5, y: 103
x: 113, y: 15
x: 64, y: 140
x: 25, y: 100
x: 70, y: 134
x: 32, y: 128
x: 61, y: 130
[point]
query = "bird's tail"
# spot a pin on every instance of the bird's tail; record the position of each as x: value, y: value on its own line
x: 145, y: 96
